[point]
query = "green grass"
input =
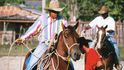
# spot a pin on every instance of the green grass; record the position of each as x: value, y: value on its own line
x: 121, y: 52
x: 17, y: 50
x: 22, y: 50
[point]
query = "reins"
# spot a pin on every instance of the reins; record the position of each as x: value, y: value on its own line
x: 69, y: 48
x: 68, y: 59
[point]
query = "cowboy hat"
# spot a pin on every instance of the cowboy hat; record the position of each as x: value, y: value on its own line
x: 54, y: 5
x: 103, y: 10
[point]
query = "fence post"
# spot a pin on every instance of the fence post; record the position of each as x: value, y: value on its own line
x: 123, y: 32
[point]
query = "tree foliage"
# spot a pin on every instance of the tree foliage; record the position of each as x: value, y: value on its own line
x: 4, y: 2
x: 88, y: 9
x: 116, y: 8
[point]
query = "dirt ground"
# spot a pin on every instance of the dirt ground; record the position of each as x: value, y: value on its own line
x: 15, y: 63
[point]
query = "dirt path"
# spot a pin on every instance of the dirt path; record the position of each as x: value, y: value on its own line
x: 11, y: 63
x: 15, y: 63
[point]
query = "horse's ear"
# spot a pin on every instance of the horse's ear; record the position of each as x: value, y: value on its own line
x: 63, y: 26
x: 97, y: 26
x: 76, y: 25
x: 105, y: 26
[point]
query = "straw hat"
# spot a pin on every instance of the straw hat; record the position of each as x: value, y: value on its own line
x: 103, y: 10
x: 54, y: 5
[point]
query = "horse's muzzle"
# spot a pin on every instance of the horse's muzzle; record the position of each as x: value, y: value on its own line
x: 76, y: 55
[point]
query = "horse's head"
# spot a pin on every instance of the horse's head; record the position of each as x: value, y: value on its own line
x: 67, y: 44
x: 101, y: 34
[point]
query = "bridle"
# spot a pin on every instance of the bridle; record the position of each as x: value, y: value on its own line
x: 100, y: 38
x: 67, y: 58
x: 103, y: 38
x: 68, y: 47
x: 64, y: 58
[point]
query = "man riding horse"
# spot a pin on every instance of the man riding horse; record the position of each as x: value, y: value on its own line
x: 103, y: 20
x: 46, y: 26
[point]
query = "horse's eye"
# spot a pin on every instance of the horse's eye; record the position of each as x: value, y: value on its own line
x: 66, y: 34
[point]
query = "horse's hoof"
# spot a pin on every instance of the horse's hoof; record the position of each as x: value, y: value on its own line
x: 119, y: 67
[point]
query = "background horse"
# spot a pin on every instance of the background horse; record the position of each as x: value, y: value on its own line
x: 66, y: 47
x: 105, y: 49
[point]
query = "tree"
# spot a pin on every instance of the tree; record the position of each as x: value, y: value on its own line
x: 14, y: 2
x: 64, y: 13
x: 72, y: 8
x: 87, y: 9
x: 116, y: 8
x: 2, y: 2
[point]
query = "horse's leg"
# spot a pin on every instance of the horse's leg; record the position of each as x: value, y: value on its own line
x: 98, y: 68
x: 71, y: 67
x: 110, y: 66
x: 116, y: 62
x: 110, y: 62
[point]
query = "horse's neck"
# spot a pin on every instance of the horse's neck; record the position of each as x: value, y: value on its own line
x: 56, y: 62
x: 61, y: 47
x: 106, y: 41
x: 107, y: 46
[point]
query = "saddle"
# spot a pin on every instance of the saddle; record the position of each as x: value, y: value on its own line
x: 44, y: 61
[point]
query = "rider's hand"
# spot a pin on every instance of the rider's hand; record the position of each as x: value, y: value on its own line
x: 19, y: 40
x: 87, y: 27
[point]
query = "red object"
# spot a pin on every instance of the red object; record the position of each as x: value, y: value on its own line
x: 92, y: 57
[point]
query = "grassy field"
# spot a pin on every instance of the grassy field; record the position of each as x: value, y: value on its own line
x: 22, y: 50
x: 17, y: 50
x: 121, y: 52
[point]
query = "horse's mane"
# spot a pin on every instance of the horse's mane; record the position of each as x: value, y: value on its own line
x: 55, y: 46
x: 71, y: 32
x: 107, y: 48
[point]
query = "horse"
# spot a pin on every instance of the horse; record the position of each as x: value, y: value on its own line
x: 106, y: 50
x: 65, y: 48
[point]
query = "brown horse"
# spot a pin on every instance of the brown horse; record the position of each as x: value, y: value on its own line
x: 65, y: 48
x: 105, y: 49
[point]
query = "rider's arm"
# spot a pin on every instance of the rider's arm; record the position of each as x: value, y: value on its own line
x: 33, y: 30
x: 92, y: 24
x: 88, y: 27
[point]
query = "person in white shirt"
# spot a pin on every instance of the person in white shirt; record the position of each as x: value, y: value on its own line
x: 103, y: 20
